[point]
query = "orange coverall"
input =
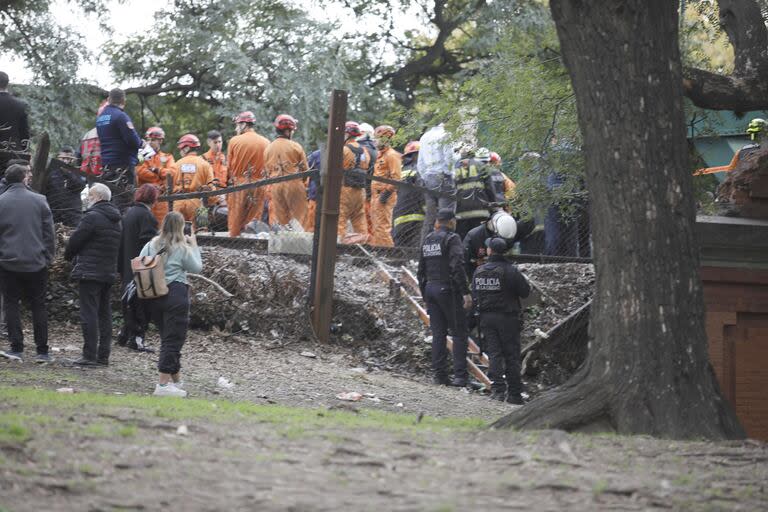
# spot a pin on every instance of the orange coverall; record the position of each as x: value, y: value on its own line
x: 309, y: 218
x: 388, y: 165
x: 191, y: 174
x: 246, y: 164
x: 219, y: 165
x: 288, y: 200
x: 352, y: 202
x: 509, y: 187
x: 163, y: 162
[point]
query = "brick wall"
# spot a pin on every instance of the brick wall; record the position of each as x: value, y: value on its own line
x: 737, y: 329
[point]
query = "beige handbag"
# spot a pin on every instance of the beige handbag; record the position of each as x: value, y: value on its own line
x: 149, y: 276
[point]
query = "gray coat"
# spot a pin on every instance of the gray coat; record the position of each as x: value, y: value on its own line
x: 27, y: 239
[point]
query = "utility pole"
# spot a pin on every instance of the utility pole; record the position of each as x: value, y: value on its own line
x: 331, y: 180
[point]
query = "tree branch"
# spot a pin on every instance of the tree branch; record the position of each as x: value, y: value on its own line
x: 719, y: 92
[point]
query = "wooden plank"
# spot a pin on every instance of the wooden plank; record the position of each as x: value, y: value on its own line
x: 471, y: 366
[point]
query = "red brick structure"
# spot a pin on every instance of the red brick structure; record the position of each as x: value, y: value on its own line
x: 734, y: 259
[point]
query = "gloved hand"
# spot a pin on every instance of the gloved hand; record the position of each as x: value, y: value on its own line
x: 384, y: 196
x: 146, y: 152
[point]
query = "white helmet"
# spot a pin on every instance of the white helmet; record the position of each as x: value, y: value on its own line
x: 503, y: 225
x: 483, y: 154
x: 367, y: 131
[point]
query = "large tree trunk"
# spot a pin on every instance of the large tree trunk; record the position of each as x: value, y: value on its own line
x: 647, y: 371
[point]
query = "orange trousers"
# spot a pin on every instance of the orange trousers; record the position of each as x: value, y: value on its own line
x: 352, y: 208
x: 309, y: 218
x: 381, y: 216
x: 288, y: 201
x: 188, y: 208
x: 368, y: 218
x: 160, y: 210
x: 244, y: 206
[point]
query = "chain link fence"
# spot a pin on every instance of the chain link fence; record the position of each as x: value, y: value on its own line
x: 258, y: 284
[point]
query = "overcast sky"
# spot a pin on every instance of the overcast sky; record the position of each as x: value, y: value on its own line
x: 137, y: 16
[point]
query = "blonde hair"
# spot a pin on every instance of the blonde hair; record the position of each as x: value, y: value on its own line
x: 171, y: 235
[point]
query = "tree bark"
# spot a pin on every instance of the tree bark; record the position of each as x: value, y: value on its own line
x: 647, y: 371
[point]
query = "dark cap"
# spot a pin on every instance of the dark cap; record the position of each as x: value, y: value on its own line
x: 446, y: 214
x: 67, y: 149
x: 496, y: 245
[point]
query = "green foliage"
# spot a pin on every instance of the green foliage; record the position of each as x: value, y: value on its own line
x: 216, y: 58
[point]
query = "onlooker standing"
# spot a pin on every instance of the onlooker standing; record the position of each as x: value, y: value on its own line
x: 27, y: 247
x: 95, y: 244
x: 64, y: 188
x: 119, y: 147
x: 139, y: 227
x: 435, y: 166
x: 14, y: 125
x: 171, y: 312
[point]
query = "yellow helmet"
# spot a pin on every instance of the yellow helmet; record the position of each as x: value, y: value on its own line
x: 756, y: 126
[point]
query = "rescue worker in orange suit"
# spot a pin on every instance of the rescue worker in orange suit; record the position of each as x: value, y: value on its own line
x: 218, y: 161
x: 288, y: 200
x: 156, y: 169
x: 509, y: 185
x: 383, y: 195
x: 191, y: 174
x: 352, y: 204
x: 367, y: 141
x: 245, y: 155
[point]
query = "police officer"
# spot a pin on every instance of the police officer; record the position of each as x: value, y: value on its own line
x: 497, y: 287
x: 443, y: 284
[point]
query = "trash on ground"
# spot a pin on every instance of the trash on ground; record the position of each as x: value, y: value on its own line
x: 351, y: 396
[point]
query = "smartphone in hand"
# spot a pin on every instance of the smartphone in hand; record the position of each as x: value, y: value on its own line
x: 188, y: 228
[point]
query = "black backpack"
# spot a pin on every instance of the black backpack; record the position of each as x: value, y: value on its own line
x: 356, y: 180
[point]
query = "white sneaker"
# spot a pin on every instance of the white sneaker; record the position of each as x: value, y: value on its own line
x: 169, y: 390
x: 179, y: 384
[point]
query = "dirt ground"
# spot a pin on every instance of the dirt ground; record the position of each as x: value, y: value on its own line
x: 287, y: 443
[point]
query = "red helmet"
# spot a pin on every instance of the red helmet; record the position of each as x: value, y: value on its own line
x: 285, y: 122
x: 352, y: 129
x: 412, y: 147
x: 188, y: 141
x: 384, y: 131
x: 495, y: 158
x: 155, y: 133
x: 245, y: 117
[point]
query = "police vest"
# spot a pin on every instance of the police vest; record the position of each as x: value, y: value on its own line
x: 471, y: 196
x: 434, y: 250
x: 410, y: 202
x: 495, y: 184
x: 361, y: 157
x: 490, y: 288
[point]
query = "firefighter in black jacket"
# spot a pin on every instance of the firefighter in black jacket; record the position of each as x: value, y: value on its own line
x: 497, y: 287
x: 443, y: 284
x: 409, y: 209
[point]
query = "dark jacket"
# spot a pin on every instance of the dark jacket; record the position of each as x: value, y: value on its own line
x: 118, y: 138
x: 63, y: 192
x: 27, y: 240
x: 95, y: 244
x: 442, y: 260
x: 14, y: 125
x: 474, y: 243
x: 139, y: 227
x: 498, y: 286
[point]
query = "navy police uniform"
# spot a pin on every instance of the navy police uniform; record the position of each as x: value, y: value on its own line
x: 497, y: 287
x: 443, y: 284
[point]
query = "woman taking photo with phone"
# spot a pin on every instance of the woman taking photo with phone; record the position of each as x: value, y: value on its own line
x: 180, y: 254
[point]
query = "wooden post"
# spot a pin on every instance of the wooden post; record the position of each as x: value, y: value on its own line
x: 169, y: 190
x: 331, y: 180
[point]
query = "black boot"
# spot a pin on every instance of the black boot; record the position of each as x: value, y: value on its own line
x: 441, y: 380
x: 515, y: 398
x: 498, y: 394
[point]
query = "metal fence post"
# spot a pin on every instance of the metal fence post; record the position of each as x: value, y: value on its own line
x: 331, y: 181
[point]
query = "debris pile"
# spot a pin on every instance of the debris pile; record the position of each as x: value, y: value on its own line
x: 745, y: 190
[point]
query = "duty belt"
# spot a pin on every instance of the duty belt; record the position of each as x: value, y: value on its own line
x: 413, y: 217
